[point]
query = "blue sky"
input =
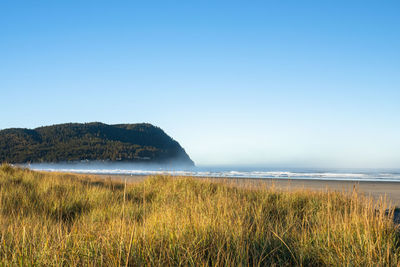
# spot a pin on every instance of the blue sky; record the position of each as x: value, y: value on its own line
x: 273, y: 83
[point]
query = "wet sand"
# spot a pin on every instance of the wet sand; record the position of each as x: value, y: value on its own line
x: 375, y: 189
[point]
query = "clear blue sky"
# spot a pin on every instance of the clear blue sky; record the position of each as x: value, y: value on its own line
x: 278, y: 83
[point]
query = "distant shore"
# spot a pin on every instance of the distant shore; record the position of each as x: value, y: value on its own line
x: 374, y: 189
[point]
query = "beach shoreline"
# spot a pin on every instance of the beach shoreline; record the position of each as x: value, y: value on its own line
x: 377, y: 190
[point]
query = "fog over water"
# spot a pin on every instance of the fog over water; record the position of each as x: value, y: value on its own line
x: 260, y: 172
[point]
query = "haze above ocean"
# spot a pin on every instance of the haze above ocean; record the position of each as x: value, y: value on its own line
x: 110, y: 168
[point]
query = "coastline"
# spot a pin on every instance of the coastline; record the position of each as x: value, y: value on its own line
x: 377, y: 190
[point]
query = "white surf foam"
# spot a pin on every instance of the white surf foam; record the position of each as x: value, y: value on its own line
x: 320, y: 175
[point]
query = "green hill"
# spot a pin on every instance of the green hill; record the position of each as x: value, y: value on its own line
x: 91, y: 141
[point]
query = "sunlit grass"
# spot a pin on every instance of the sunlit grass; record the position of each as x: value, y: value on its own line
x: 62, y: 219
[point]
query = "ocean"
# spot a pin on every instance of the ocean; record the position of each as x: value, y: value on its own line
x: 384, y: 175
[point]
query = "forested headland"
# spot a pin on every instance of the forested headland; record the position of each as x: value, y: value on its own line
x: 68, y: 142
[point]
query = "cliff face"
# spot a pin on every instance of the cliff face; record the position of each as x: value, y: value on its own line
x: 140, y: 142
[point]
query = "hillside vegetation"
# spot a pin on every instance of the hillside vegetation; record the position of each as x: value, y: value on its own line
x: 90, y: 141
x: 63, y: 219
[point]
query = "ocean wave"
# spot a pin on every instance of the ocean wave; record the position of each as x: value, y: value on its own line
x: 318, y: 175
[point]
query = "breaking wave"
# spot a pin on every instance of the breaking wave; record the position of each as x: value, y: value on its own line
x: 221, y: 172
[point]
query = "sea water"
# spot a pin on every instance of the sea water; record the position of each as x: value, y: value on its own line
x: 110, y: 168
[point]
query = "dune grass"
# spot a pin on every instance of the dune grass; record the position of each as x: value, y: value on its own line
x: 63, y: 219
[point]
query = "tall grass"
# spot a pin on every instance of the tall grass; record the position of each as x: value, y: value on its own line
x: 62, y: 219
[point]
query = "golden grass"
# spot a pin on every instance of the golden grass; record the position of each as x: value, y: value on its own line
x: 63, y: 219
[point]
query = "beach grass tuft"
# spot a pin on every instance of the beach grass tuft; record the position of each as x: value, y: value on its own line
x: 65, y: 219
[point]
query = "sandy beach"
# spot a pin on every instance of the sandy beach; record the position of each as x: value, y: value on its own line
x: 375, y: 189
